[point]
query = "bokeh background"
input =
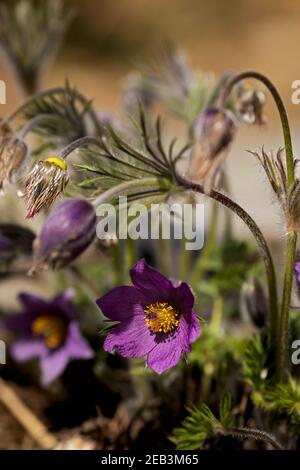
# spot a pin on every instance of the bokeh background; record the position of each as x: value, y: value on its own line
x: 107, y: 39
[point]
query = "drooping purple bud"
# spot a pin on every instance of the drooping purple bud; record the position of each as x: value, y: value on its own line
x: 66, y: 233
x: 214, y: 130
x: 256, y: 302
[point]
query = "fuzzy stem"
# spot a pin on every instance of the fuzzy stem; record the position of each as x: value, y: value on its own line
x: 207, y: 250
x: 34, y: 122
x: 82, y: 141
x: 159, y: 183
x: 285, y: 306
x: 282, y: 333
x: 249, y: 433
x: 260, y: 240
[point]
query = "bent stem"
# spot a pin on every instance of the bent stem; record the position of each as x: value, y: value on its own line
x: 282, y: 331
x: 260, y: 240
x: 56, y: 91
x: 250, y: 433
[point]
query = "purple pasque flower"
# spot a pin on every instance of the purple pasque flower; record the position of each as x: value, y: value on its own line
x: 156, y: 318
x: 49, y: 331
x: 66, y: 233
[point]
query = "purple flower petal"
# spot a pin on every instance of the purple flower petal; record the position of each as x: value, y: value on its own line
x: 77, y: 347
x: 53, y: 365
x: 24, y: 350
x: 194, y: 327
x: 32, y: 302
x: 63, y: 303
x: 164, y: 356
x: 19, y: 323
x: 297, y: 272
x: 184, y: 299
x: 148, y: 279
x: 122, y: 303
x: 131, y: 338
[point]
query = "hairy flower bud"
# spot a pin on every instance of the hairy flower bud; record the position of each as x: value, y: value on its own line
x: 66, y: 233
x: 250, y: 104
x: 256, y: 302
x: 12, y: 155
x: 47, y: 179
x: 214, y: 130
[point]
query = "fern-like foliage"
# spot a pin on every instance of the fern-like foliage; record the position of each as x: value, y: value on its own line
x: 59, y: 115
x: 202, y: 424
x: 116, y: 159
x: 256, y: 365
x: 285, y: 398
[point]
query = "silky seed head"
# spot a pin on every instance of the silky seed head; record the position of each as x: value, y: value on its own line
x: 12, y: 155
x: 47, y: 179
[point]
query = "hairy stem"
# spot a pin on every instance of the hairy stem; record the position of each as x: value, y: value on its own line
x: 285, y: 306
x: 249, y: 433
x: 207, y: 250
x: 282, y: 331
x: 260, y: 240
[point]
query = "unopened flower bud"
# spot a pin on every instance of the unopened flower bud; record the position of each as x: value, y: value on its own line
x: 256, y: 302
x: 66, y: 233
x: 250, y: 104
x: 12, y: 155
x: 47, y: 179
x: 214, y: 130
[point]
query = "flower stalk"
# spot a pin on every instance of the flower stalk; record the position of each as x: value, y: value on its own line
x: 260, y: 240
x: 282, y: 331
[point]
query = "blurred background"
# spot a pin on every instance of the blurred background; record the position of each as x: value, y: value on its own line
x: 108, y: 39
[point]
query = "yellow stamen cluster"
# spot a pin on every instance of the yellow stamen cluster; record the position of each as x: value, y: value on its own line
x: 51, y: 328
x: 161, y: 317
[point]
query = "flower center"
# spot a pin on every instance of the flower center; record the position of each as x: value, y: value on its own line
x: 161, y: 317
x: 52, y: 328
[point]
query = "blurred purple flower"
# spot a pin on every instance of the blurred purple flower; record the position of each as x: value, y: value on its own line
x: 47, y: 330
x: 66, y: 233
x: 156, y: 318
x: 297, y: 269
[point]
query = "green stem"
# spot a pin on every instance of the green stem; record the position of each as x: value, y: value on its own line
x: 207, y: 250
x: 260, y: 240
x: 282, y: 331
x: 285, y: 306
x: 184, y: 259
x: 117, y: 264
x: 216, y: 316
